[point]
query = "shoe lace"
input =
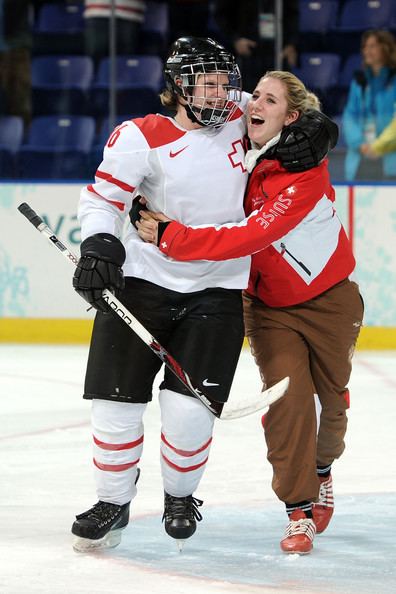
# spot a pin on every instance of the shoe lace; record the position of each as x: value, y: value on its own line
x: 304, y: 526
x: 101, y: 511
x: 182, y: 507
x: 326, y: 497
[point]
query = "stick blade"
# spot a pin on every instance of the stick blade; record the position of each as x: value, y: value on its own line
x: 258, y: 403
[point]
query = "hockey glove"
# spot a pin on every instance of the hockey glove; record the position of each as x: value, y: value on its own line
x: 306, y: 142
x: 137, y: 206
x: 99, y: 267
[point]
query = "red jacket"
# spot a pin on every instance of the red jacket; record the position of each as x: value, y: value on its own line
x: 299, y: 246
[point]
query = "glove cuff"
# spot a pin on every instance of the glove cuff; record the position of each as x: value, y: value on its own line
x: 104, y: 246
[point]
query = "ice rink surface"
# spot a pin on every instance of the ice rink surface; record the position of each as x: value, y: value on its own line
x: 46, y: 478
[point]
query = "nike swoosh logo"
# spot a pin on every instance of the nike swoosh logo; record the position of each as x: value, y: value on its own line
x: 172, y: 155
x: 207, y: 383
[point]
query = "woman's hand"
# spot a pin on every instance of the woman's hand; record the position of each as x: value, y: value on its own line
x: 147, y: 226
x: 367, y: 151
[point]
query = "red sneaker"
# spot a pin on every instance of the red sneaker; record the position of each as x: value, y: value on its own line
x: 299, y: 534
x: 323, y: 509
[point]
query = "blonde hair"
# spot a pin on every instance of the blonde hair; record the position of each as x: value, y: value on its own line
x: 297, y: 95
x: 169, y: 99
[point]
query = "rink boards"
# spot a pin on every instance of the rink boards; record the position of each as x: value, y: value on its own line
x: 38, y: 304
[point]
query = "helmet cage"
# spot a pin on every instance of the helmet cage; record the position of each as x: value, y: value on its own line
x: 207, y: 110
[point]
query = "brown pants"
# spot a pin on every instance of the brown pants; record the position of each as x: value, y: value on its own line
x: 313, y: 343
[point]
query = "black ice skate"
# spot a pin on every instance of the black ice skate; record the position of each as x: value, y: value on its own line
x: 100, y: 527
x: 181, y: 515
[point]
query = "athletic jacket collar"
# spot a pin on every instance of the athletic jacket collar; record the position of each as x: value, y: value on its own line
x: 255, y: 153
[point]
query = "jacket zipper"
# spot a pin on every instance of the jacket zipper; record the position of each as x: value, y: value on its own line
x: 295, y: 259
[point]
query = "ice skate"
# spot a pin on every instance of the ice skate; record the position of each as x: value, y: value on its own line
x: 100, y: 527
x: 181, y: 515
x: 323, y: 509
x: 299, y: 534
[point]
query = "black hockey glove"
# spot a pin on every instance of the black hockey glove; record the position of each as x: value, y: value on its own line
x: 306, y: 142
x: 134, y: 212
x: 99, y: 267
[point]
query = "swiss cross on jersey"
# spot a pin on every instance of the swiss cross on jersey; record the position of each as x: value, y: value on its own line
x: 237, y: 155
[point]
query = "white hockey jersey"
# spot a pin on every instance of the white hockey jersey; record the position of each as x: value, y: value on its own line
x: 195, y: 177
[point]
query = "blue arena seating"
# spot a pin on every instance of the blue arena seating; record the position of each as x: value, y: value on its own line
x: 352, y: 63
x: 60, y: 84
x: 57, y: 147
x: 11, y: 135
x: 317, y: 16
x: 60, y: 17
x: 336, y: 96
x: 139, y: 79
x: 341, y: 140
x: 319, y: 70
x: 360, y: 15
x: 59, y: 29
x: 155, y: 29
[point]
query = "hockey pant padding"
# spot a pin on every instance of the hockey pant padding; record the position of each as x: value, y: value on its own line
x: 117, y: 432
x: 186, y: 435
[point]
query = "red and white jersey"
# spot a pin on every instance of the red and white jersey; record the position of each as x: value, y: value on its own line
x: 132, y: 10
x: 193, y: 176
x: 300, y: 247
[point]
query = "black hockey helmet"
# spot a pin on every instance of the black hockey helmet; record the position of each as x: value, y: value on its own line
x: 192, y: 56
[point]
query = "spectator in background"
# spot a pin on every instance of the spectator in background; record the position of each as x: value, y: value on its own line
x: 249, y: 28
x: 15, y: 51
x: 129, y: 16
x: 371, y: 107
x: 188, y: 17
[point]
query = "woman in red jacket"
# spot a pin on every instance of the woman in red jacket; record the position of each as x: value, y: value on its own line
x: 303, y: 310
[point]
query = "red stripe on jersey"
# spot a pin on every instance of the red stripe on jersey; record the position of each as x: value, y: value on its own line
x: 114, y: 467
x: 237, y: 114
x: 115, y: 447
x: 119, y: 205
x: 185, y: 453
x: 158, y: 130
x: 112, y: 180
x: 181, y: 468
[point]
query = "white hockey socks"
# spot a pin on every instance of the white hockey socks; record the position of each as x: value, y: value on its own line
x: 186, y: 436
x: 117, y: 431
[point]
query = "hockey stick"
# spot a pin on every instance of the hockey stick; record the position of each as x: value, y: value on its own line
x: 259, y: 403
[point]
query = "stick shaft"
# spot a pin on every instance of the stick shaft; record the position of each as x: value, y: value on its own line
x: 126, y: 316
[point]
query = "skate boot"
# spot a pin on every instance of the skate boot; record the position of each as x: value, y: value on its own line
x: 181, y: 515
x: 323, y: 509
x: 299, y: 534
x: 100, y: 527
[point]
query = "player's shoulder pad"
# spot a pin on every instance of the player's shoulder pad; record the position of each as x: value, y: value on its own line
x: 125, y: 138
x: 158, y: 130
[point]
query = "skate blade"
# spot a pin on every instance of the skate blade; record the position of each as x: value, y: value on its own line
x: 180, y: 544
x: 109, y: 541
